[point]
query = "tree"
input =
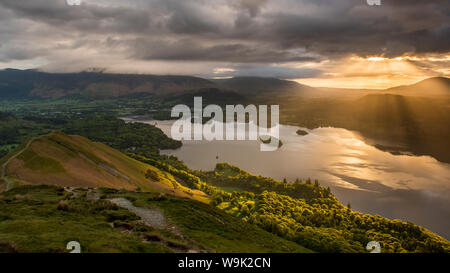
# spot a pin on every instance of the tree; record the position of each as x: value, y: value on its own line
x: 245, y: 210
x: 151, y: 174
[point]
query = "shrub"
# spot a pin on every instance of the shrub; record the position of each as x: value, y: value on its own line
x: 160, y: 197
x: 122, y: 215
x: 151, y: 174
x: 63, y: 205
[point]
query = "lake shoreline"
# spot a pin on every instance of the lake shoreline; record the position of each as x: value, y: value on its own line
x: 407, y: 187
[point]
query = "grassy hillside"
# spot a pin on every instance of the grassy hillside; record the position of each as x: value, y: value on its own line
x: 30, y: 221
x: 45, y: 218
x: 211, y: 229
x: 65, y: 160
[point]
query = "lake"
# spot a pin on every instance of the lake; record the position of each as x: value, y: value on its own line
x: 407, y: 187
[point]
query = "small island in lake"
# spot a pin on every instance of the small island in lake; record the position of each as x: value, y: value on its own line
x: 267, y: 140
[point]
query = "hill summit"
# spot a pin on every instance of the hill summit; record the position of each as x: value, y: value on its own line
x: 75, y: 161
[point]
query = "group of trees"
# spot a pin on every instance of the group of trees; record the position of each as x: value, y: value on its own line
x: 326, y: 229
x: 338, y: 229
x: 232, y: 176
x: 14, y: 131
x: 311, y: 216
x: 137, y: 138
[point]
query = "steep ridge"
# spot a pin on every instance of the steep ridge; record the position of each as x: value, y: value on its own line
x: 74, y: 161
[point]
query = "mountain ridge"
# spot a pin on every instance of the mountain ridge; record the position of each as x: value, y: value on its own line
x: 75, y: 161
x: 439, y: 86
x: 16, y: 83
x: 31, y: 83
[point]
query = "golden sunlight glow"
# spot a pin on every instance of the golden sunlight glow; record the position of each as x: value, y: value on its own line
x: 378, y: 72
x: 376, y: 59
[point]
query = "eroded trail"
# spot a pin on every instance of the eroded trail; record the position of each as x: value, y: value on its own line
x: 8, y: 181
x: 151, y: 217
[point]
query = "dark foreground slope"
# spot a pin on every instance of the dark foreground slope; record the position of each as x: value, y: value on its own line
x: 46, y: 218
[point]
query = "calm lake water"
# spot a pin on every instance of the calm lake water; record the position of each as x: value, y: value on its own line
x: 411, y: 188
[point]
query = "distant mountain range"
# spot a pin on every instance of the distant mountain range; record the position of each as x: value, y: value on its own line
x: 31, y: 83
x: 439, y: 86
x: 259, y: 85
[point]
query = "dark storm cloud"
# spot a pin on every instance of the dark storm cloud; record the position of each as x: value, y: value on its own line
x: 365, y: 30
x: 429, y: 40
x: 89, y: 19
x: 253, y: 7
x: 192, y: 50
x: 236, y: 31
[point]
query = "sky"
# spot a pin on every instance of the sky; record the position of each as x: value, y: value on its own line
x: 334, y: 43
